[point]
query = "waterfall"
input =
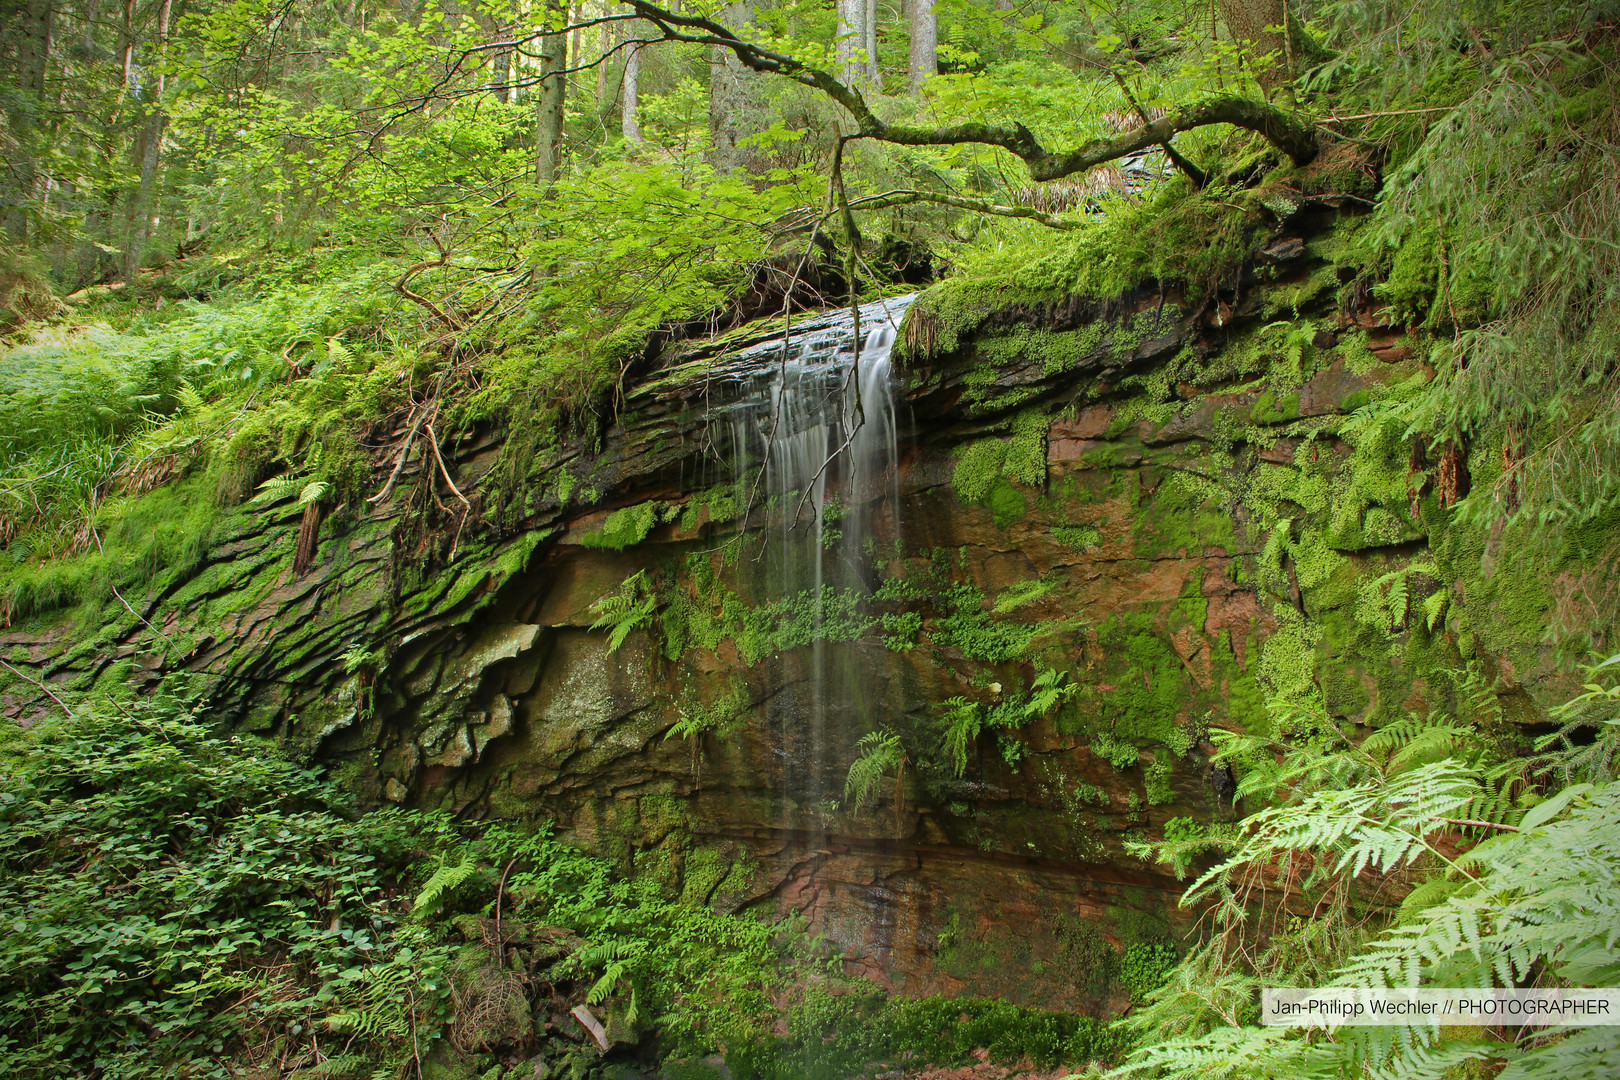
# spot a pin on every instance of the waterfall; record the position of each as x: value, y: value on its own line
x: 813, y: 438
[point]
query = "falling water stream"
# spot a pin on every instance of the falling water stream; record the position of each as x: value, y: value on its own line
x: 814, y: 449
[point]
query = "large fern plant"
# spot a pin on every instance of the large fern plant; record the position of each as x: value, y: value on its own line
x: 1502, y: 886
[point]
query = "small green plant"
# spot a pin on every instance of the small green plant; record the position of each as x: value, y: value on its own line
x: 1156, y: 780
x: 879, y: 754
x: 900, y: 630
x: 719, y: 715
x: 629, y: 609
x: 963, y: 719
x: 1145, y: 967
x: 1117, y: 752
x: 277, y: 488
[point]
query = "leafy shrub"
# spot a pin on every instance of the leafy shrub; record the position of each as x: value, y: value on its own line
x: 168, y: 892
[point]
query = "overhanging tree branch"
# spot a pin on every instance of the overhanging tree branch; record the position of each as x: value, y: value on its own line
x: 906, y: 196
x: 1292, y: 134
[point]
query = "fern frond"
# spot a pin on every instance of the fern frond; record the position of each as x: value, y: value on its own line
x: 879, y: 754
x: 963, y: 721
x: 444, y: 880
x: 630, y: 608
x: 603, y: 986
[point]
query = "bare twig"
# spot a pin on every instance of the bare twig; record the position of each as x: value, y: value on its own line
x: 402, y: 286
x: 41, y: 686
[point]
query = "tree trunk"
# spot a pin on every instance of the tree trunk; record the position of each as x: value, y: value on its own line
x: 139, y: 213
x: 869, y: 43
x: 605, y: 43
x: 33, y: 58
x: 630, y: 98
x: 851, y: 35
x: 1276, y: 58
x: 127, y: 44
x: 924, y: 44
x: 731, y: 89
x: 500, y: 76
x: 551, y: 97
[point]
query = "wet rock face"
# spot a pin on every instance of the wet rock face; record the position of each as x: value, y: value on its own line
x: 1123, y: 494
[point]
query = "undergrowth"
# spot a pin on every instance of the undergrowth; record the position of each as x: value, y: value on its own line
x: 182, y: 902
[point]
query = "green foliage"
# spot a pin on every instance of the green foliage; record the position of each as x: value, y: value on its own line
x: 962, y: 720
x: 878, y: 754
x: 985, y: 467
x: 1145, y: 967
x: 1156, y: 780
x: 621, y: 613
x: 1151, y: 688
x: 832, y: 1037
x: 1501, y: 885
x: 624, y: 528
x: 168, y: 890
x: 977, y: 633
x: 703, y: 611
x: 721, y: 714
x: 1117, y: 752
x: 1080, y: 537
x: 900, y: 630
x: 978, y: 466
x: 303, y: 492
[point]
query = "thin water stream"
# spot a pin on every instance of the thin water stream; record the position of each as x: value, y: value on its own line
x: 814, y: 448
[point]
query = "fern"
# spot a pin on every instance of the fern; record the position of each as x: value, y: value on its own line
x: 277, y: 488
x: 1507, y: 890
x: 337, y: 352
x: 963, y: 721
x: 879, y: 754
x: 623, y: 612
x: 444, y: 880
x: 1050, y: 689
x: 1587, y: 742
x: 604, y: 985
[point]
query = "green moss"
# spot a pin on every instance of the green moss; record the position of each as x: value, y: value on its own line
x: 1006, y: 503
x: 1269, y: 409
x: 1156, y: 780
x: 978, y: 467
x: 719, y: 504
x: 1183, y: 515
x: 1025, y: 460
x: 146, y: 542
x: 1109, y: 455
x: 1414, y: 275
x: 1080, y: 537
x: 624, y: 528
x: 1149, y: 685
x: 1117, y: 752
x: 515, y: 558
x: 985, y: 468
x: 1288, y: 660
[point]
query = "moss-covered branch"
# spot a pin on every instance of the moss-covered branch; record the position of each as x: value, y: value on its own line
x: 1289, y: 133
